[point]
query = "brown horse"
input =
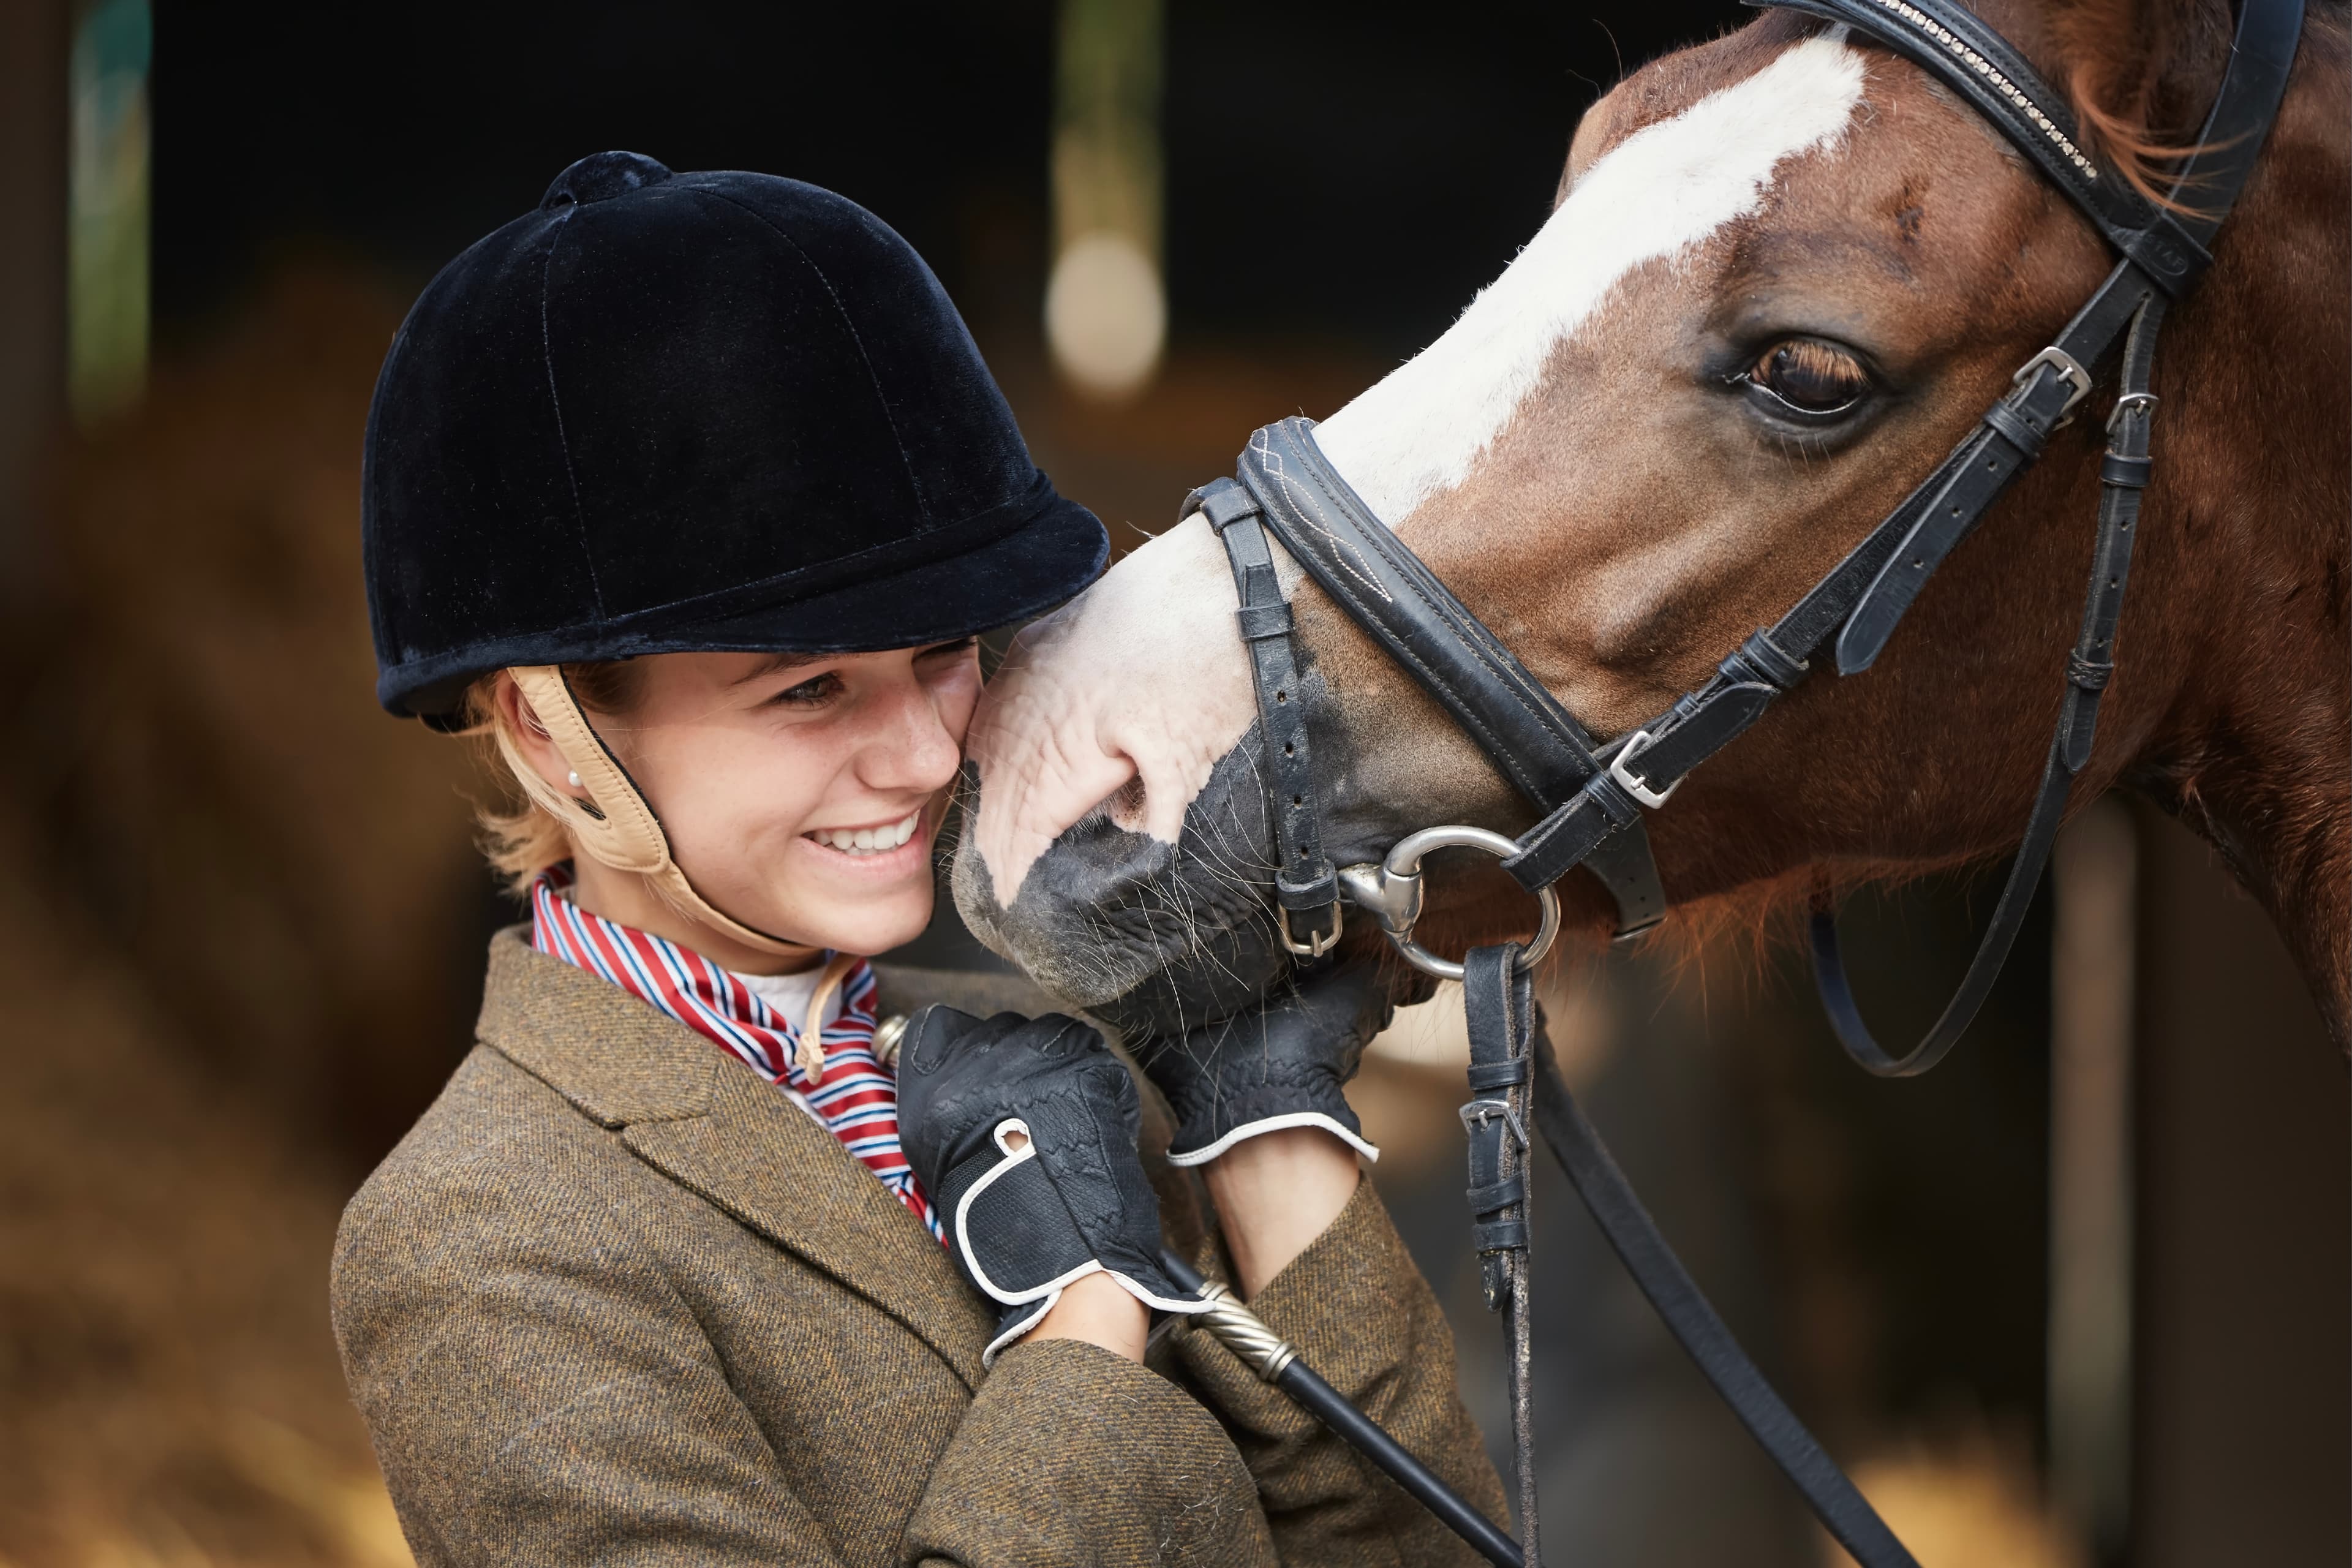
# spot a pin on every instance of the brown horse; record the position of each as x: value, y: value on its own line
x: 1785, y: 272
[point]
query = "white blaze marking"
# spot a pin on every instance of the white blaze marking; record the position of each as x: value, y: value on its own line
x: 1660, y: 191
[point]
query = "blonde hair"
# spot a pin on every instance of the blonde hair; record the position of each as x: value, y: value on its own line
x: 521, y: 837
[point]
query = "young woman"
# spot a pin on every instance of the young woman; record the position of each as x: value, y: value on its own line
x: 688, y: 493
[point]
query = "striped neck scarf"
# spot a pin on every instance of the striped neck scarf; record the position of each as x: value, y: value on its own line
x: 855, y: 1095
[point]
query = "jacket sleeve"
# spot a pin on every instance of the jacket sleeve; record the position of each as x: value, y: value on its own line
x: 1364, y: 1318
x: 1074, y: 1454
x: 557, y: 1402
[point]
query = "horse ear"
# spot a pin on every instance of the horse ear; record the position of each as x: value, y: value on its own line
x: 2114, y: 55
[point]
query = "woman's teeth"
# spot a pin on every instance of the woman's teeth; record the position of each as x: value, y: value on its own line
x: 869, y: 840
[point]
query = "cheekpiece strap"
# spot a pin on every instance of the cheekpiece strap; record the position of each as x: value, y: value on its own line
x: 1305, y: 880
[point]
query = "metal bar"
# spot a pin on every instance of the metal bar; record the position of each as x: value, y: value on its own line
x: 1277, y: 1361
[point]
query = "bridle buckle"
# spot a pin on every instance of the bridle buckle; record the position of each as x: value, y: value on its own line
x: 2070, y: 371
x: 1638, y: 788
x: 1320, y: 943
x: 2125, y: 404
x: 1479, y: 1113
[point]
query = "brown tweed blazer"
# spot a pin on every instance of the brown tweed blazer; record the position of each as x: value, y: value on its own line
x: 616, y: 1299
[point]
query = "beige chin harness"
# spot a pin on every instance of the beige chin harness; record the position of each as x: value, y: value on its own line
x: 609, y: 819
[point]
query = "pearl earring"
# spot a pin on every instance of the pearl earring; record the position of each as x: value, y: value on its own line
x: 575, y: 778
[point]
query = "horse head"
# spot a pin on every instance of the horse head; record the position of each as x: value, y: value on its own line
x: 1784, y: 273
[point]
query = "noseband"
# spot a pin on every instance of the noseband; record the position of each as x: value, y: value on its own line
x: 1591, y: 795
x: 1286, y: 486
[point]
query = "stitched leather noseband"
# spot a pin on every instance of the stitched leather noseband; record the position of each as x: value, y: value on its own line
x: 1592, y: 795
x: 1549, y: 758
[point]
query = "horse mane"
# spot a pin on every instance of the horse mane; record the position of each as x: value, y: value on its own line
x: 2118, y: 55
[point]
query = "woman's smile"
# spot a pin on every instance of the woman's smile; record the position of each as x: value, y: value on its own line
x: 883, y: 849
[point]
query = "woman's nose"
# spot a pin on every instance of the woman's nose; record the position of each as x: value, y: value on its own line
x: 912, y: 747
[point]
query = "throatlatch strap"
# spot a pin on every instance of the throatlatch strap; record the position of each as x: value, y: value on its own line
x: 1499, y: 1012
x: 2088, y: 668
x: 1696, y: 1325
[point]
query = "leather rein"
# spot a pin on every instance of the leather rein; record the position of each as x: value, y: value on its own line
x: 1592, y: 795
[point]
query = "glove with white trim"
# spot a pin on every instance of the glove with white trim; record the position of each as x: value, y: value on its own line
x: 1281, y: 1063
x: 1024, y: 1133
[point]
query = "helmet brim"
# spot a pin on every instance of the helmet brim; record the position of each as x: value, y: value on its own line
x: 1047, y: 559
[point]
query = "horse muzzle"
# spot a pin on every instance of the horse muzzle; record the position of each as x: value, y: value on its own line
x: 1146, y: 935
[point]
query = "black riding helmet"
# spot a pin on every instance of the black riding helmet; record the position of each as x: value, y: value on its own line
x: 675, y: 413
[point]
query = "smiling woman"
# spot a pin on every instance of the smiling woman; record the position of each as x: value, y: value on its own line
x: 804, y: 791
x: 686, y: 496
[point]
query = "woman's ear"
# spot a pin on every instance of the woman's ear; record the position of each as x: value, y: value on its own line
x: 530, y: 738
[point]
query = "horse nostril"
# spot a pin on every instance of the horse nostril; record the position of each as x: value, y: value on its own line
x: 1126, y: 804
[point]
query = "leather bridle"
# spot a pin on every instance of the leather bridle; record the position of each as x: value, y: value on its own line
x: 1592, y: 795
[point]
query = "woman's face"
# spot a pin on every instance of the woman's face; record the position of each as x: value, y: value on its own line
x: 802, y: 794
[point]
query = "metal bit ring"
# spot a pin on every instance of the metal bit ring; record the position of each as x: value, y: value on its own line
x: 1392, y: 890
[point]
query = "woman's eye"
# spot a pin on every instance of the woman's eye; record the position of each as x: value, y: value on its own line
x: 815, y: 689
x: 1808, y: 376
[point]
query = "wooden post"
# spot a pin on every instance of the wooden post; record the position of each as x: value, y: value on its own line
x: 32, y: 269
x: 2094, y: 879
x: 2243, y: 1344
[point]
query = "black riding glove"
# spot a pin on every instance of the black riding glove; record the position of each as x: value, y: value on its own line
x: 1280, y: 1063
x: 1025, y: 1222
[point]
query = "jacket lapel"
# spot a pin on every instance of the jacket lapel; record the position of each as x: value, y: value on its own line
x: 762, y: 1159
x: 709, y: 1123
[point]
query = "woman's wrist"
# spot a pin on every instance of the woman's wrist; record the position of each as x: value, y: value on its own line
x: 1274, y: 1194
x: 1098, y: 1310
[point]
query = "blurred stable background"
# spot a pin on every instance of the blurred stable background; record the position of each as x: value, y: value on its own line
x: 2078, y: 1298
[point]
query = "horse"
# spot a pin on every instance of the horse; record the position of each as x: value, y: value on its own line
x: 1784, y: 271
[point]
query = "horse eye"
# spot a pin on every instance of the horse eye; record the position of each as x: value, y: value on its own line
x: 1809, y: 376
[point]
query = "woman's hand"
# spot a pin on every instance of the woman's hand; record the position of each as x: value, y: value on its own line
x: 1024, y: 1133
x: 1261, y: 1105
x: 1281, y: 1063
x: 1093, y: 1309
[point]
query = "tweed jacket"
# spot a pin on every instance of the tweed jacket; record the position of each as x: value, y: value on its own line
x: 615, y: 1299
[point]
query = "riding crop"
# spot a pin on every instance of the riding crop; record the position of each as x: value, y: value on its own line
x: 1277, y: 1361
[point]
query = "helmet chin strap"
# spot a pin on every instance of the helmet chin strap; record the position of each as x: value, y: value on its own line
x: 610, y: 820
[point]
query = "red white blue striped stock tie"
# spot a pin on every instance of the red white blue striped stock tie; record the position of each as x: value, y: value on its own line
x: 857, y: 1100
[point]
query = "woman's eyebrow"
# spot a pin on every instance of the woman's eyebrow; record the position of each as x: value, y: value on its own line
x: 774, y: 663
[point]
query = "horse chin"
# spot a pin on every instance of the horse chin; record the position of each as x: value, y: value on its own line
x: 1148, y: 937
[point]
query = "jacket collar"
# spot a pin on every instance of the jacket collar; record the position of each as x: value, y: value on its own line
x: 711, y: 1124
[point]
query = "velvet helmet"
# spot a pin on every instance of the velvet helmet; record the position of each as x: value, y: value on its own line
x: 664, y: 413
